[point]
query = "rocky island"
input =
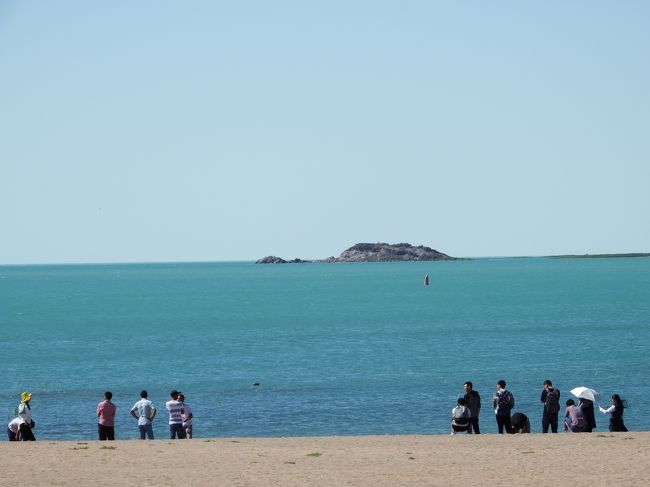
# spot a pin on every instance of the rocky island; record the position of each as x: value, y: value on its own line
x: 373, y: 252
x: 272, y: 259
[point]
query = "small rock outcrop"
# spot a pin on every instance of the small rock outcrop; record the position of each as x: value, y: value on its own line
x: 272, y: 259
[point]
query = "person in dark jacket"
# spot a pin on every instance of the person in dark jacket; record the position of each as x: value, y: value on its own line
x: 473, y: 403
x: 616, y: 412
x: 503, y: 401
x: 587, y: 407
x: 551, y: 400
x: 519, y: 423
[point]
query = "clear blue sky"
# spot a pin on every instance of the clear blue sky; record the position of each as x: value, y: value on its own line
x: 206, y: 130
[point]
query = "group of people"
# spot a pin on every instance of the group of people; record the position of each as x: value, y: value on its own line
x: 180, y: 418
x: 577, y: 418
x: 21, y: 426
x: 581, y: 418
x: 464, y: 416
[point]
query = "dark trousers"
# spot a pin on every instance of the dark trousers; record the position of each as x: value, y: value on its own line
x: 549, y: 419
x: 146, y: 429
x: 503, y: 421
x: 106, y: 432
x: 473, y: 425
x: 26, y: 433
x: 11, y: 435
x: 176, y: 431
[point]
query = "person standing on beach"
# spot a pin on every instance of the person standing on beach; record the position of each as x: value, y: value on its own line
x: 587, y: 407
x: 106, y: 414
x: 24, y: 412
x: 616, y: 410
x: 551, y: 400
x: 473, y: 403
x: 187, y: 418
x: 175, y: 408
x: 144, y: 411
x: 503, y: 401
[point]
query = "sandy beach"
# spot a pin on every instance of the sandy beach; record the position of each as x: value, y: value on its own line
x: 576, y: 459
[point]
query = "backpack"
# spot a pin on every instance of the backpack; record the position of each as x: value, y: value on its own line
x: 553, y: 401
x: 504, y: 403
x: 460, y: 416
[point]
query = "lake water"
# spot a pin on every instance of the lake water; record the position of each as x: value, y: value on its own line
x: 338, y: 349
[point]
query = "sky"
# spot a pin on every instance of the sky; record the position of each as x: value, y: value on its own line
x: 157, y: 131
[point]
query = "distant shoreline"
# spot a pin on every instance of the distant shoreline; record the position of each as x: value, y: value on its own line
x: 599, y: 256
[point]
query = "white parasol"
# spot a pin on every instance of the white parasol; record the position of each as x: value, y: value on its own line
x: 583, y: 392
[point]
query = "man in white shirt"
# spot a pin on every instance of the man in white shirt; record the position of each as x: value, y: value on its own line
x: 144, y: 411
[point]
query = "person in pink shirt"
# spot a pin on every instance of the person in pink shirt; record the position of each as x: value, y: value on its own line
x: 106, y: 414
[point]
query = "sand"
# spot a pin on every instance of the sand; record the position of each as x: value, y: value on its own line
x: 596, y: 459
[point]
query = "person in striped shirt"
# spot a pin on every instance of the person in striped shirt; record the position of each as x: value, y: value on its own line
x: 175, y: 408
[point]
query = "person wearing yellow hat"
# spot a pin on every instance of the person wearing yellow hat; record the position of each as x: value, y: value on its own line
x: 24, y: 412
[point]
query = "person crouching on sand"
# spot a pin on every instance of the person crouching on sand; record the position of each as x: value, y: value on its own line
x: 574, y: 419
x: 460, y: 417
x: 519, y: 423
x: 13, y: 429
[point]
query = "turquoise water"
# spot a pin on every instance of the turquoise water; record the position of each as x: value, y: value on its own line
x: 338, y: 349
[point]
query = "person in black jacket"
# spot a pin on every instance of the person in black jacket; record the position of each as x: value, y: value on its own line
x: 473, y: 403
x: 519, y: 423
x: 503, y: 401
x: 587, y: 407
x: 551, y: 400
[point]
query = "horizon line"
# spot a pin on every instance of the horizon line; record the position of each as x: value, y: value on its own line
x: 316, y: 261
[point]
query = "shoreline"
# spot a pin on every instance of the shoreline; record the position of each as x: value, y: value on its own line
x: 377, y: 461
